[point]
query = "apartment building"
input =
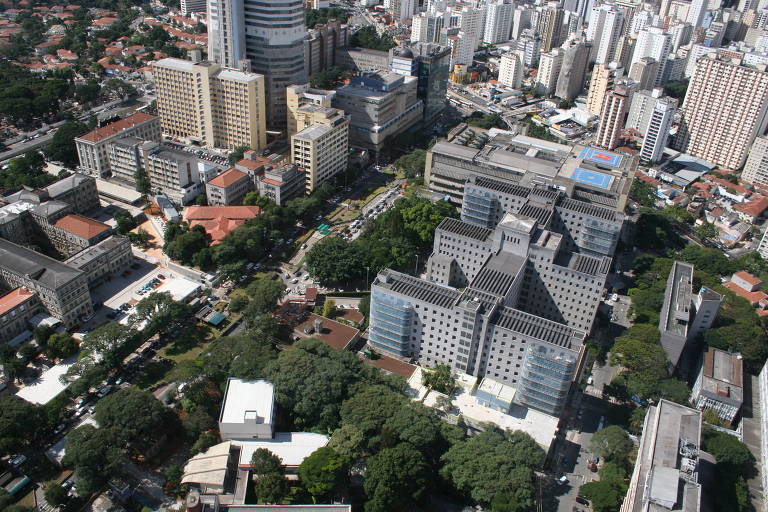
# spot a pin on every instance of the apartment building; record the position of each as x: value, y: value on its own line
x: 666, y: 473
x: 228, y: 188
x: 62, y: 290
x: 321, y: 44
x: 644, y: 73
x: 685, y: 316
x: 322, y: 148
x: 756, y: 168
x: 604, y: 78
x: 509, y: 303
x: 204, y: 103
x: 719, y: 385
x: 379, y: 105
x: 549, y: 71
x: 613, y: 115
x: 570, y: 80
x: 511, y: 70
x: 588, y: 174
x: 93, y: 147
x: 739, y: 95
x: 657, y: 134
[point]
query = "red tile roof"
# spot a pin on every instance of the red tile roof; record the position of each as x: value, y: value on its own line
x: 228, y: 178
x: 81, y: 226
x: 749, y: 278
x: 253, y: 164
x: 334, y: 334
x: 272, y: 182
x: 392, y: 365
x: 644, y: 177
x: 13, y: 298
x: 753, y: 297
x: 754, y: 208
x: 218, y: 221
x: 101, y: 22
x: 112, y: 129
x: 311, y: 294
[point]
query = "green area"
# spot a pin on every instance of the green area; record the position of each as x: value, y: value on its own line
x: 485, y: 121
x: 367, y: 37
x: 390, y: 241
x: 539, y: 132
x: 314, y: 16
x: 328, y: 78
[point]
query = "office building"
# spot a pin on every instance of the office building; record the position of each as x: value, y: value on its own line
x: 379, y: 105
x: 322, y: 148
x: 719, y: 386
x: 426, y: 27
x: 613, y: 116
x: 498, y: 21
x: 321, y: 45
x: 739, y: 96
x: 17, y: 308
x: 642, y: 106
x: 605, y: 28
x: 525, y: 161
x: 666, y: 473
x: 511, y: 69
x: 756, y: 168
x: 570, y: 80
x: 361, y: 59
x: 430, y: 63
x: 92, y: 148
x: 304, y: 105
x: 655, y: 43
x: 282, y: 183
x: 644, y: 73
x: 213, y: 106
x: 102, y: 261
x: 604, y: 78
x: 685, y: 316
x: 263, y: 37
x: 657, y: 132
x: 471, y: 21
x: 462, y: 47
x: 549, y: 71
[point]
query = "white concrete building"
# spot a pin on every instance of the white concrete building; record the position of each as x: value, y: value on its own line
x: 653, y: 42
x: 498, y: 21
x: 657, y: 132
x: 248, y: 410
x: 511, y: 69
x: 549, y: 71
x: 756, y: 168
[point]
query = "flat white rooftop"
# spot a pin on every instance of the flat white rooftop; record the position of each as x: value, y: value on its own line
x: 48, y: 385
x: 248, y: 400
x: 291, y: 447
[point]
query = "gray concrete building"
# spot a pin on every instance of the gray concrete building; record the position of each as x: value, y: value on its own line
x: 380, y: 105
x: 77, y: 190
x: 102, y: 261
x: 362, y: 59
x: 666, y: 473
x: 719, y: 386
x: 685, y: 316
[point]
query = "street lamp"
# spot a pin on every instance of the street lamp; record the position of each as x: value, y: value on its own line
x: 416, y: 269
x: 366, y: 277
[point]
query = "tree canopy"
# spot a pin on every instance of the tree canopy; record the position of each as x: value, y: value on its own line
x: 367, y: 37
x: 396, y: 478
x: 62, y: 146
x: 611, y: 443
x: 323, y: 471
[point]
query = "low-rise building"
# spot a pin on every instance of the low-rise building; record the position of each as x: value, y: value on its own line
x: 103, y: 260
x: 17, y: 308
x: 282, y: 183
x: 93, y: 147
x: 719, y: 385
x: 228, y: 188
x: 77, y: 190
x: 747, y: 286
x: 74, y: 233
x: 171, y: 172
x: 247, y: 410
x: 219, y: 221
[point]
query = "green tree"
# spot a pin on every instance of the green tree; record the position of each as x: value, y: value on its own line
x: 439, y: 379
x: 61, y: 346
x: 493, y: 464
x: 605, y: 496
x: 264, y: 462
x: 611, y: 443
x: 138, y: 417
x: 19, y: 423
x: 396, y: 478
x: 706, y: 230
x: 423, y: 217
x: 94, y: 454
x: 329, y: 308
x: 237, y: 155
x: 238, y: 303
x: 333, y: 260
x: 56, y: 495
x: 328, y: 78
x: 412, y: 164
x: 263, y: 296
x: 62, y: 146
x: 643, y: 193
x: 367, y: 37
x: 323, y: 471
x: 160, y: 313
x: 272, y: 488
x: 106, y: 341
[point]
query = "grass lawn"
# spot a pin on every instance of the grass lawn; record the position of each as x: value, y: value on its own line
x: 189, y: 345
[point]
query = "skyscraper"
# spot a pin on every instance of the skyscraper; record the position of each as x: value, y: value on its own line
x: 549, y: 24
x: 498, y: 21
x: 756, y: 168
x: 605, y: 28
x: 612, y: 117
x: 549, y: 70
x: 724, y: 110
x: 644, y: 73
x: 269, y: 37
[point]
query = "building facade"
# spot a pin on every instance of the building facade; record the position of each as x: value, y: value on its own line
x: 756, y: 167
x: 719, y: 386
x: 228, y: 188
x: 322, y: 149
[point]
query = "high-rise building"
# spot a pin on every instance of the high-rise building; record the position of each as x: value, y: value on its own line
x: 431, y: 64
x: 471, y: 20
x: 644, y: 72
x: 303, y: 102
x: 498, y: 21
x: 657, y: 133
x: 570, y: 81
x: 549, y: 24
x: 655, y: 43
x: 549, y: 71
x: 642, y: 105
x: 190, y: 6
x: 321, y: 149
x: 696, y: 12
x: 211, y: 105
x: 403, y: 10
x: 321, y: 45
x: 612, y: 117
x: 462, y: 49
x: 426, y: 27
x: 521, y: 20
x: 605, y: 28
x: 604, y: 77
x: 724, y: 110
x: 263, y: 37
x: 756, y: 168
x: 530, y: 43
x: 511, y: 69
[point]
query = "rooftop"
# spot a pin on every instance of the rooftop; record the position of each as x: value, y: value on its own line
x: 219, y: 221
x: 465, y: 229
x: 392, y: 365
x: 89, y: 254
x: 334, y: 334
x: 723, y: 376
x: 228, y: 178
x: 48, y: 272
x: 65, y: 185
x: 538, y: 327
x: 291, y: 447
x: 13, y: 299
x: 209, y: 467
x: 81, y: 226
x: 245, y: 400
x: 397, y: 282
x: 749, y: 278
x: 112, y: 129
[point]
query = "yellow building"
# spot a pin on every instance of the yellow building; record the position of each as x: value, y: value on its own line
x: 321, y: 147
x: 213, y: 106
x: 301, y: 100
